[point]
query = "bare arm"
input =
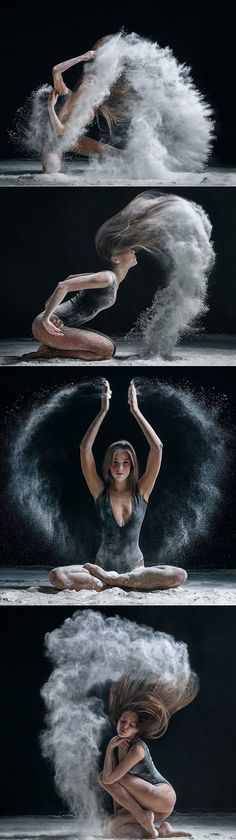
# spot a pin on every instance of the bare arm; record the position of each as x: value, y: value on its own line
x: 73, y: 283
x: 147, y: 481
x: 54, y: 119
x: 61, y: 68
x: 94, y: 482
x: 112, y: 774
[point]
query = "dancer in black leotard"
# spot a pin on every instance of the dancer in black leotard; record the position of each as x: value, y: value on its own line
x: 153, y: 223
x: 60, y: 326
x: 142, y: 797
x: 121, y: 499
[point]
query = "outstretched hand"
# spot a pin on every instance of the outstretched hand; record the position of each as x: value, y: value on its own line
x: 106, y: 396
x: 132, y: 398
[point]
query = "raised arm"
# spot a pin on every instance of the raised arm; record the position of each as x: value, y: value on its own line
x: 61, y: 68
x: 73, y: 283
x: 94, y: 482
x: 54, y: 119
x: 147, y: 481
x: 113, y: 773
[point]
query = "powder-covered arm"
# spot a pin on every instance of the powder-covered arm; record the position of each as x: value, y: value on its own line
x: 61, y: 68
x: 94, y: 482
x: 73, y: 283
x: 147, y: 480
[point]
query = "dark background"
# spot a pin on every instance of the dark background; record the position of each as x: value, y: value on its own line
x: 49, y: 234
x: 198, y: 751
x: 37, y: 37
x: 22, y: 545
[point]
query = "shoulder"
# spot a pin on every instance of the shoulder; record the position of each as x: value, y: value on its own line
x: 138, y: 750
x: 105, y: 278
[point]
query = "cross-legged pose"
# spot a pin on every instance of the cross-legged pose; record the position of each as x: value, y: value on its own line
x: 121, y: 499
x: 142, y: 798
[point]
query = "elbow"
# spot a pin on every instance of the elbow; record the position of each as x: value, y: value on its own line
x: 83, y: 445
x: 158, y: 446
x: 63, y: 287
x: 85, y: 450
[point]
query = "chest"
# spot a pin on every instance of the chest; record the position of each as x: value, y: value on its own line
x: 121, y: 506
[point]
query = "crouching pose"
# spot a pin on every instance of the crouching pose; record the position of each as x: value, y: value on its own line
x: 142, y: 798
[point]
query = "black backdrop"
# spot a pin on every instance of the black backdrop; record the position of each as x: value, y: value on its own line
x: 21, y: 545
x: 197, y: 753
x: 48, y: 234
x: 36, y: 37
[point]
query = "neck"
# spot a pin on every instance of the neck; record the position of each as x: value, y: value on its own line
x: 120, y: 273
x: 120, y: 486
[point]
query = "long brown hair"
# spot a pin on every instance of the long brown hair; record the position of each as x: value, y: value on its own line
x: 150, y: 700
x: 134, y: 227
x: 109, y: 455
x: 114, y: 109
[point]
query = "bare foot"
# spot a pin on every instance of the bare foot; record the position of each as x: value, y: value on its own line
x: 165, y: 830
x: 148, y: 824
x: 43, y: 352
x: 76, y: 582
x: 101, y: 574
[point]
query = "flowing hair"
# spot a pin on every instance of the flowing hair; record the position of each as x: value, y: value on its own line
x: 133, y: 476
x: 135, y: 226
x: 114, y: 108
x: 153, y: 701
x: 177, y: 233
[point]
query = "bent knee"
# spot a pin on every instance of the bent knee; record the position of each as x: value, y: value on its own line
x: 100, y: 780
x: 56, y: 577
x: 108, y: 350
x: 178, y: 576
x: 51, y: 163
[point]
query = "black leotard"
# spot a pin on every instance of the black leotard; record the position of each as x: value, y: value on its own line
x: 119, y: 550
x: 146, y: 769
x: 86, y: 304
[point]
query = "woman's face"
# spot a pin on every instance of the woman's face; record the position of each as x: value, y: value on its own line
x: 121, y: 465
x: 127, y: 726
x: 125, y: 259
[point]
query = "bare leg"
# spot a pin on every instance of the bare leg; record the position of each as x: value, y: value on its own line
x: 160, y: 798
x: 148, y: 579
x: 143, y: 816
x: 75, y: 578
x: 89, y: 147
x: 74, y: 343
x: 124, y: 826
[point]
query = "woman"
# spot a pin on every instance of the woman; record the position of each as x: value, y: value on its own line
x: 141, y: 796
x: 178, y: 233
x: 63, y: 105
x: 121, y: 500
x: 58, y: 327
x: 141, y: 103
